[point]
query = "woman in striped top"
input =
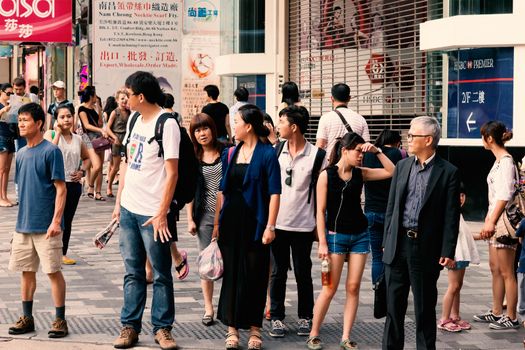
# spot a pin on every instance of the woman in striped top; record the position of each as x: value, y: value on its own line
x: 201, y: 212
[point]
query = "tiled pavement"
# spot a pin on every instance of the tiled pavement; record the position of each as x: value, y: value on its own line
x: 94, y: 299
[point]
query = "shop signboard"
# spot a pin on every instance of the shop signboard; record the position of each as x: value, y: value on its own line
x: 480, y: 88
x: 201, y: 17
x: 137, y: 35
x: 36, y: 21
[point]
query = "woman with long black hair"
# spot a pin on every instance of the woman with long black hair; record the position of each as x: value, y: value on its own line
x: 344, y: 236
x: 251, y: 188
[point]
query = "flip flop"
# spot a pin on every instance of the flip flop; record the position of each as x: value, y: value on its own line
x: 110, y: 195
x: 183, y: 263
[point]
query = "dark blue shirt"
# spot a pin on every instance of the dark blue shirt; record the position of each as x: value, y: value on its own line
x: 262, y: 179
x: 36, y: 170
x: 416, y: 189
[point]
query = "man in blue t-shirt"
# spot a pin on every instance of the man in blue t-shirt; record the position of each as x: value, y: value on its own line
x: 38, y: 236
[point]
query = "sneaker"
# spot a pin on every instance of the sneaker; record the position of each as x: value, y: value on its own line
x: 164, y: 338
x: 486, y: 317
x: 303, y: 327
x: 23, y: 325
x: 505, y: 323
x: 58, y: 329
x: 449, y: 326
x: 348, y: 345
x: 128, y: 338
x: 68, y: 261
x: 278, y: 329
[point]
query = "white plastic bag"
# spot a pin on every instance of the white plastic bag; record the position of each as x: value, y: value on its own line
x: 210, y: 262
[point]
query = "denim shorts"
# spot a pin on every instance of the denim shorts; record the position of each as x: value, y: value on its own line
x: 460, y: 265
x: 7, y: 144
x: 340, y: 243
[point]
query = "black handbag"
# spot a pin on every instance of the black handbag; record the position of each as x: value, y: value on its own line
x: 380, y: 297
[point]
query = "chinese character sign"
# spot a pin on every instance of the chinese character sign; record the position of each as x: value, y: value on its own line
x: 202, y: 17
x: 36, y: 20
x: 480, y: 88
x: 136, y: 35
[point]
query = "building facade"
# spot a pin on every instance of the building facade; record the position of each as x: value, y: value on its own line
x: 457, y: 60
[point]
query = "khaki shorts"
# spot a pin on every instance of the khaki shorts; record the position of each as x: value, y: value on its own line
x: 28, y: 250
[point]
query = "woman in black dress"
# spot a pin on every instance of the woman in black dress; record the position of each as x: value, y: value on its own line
x: 251, y: 188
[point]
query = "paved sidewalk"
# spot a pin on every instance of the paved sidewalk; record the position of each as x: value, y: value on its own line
x: 94, y: 299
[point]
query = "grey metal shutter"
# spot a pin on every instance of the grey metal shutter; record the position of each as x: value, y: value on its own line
x: 371, y: 45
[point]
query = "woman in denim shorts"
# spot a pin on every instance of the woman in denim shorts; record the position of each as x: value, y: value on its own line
x: 340, y: 216
x: 7, y: 143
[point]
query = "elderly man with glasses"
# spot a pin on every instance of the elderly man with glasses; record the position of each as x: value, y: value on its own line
x: 421, y: 229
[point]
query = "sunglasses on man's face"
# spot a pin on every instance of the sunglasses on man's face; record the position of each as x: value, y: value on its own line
x: 8, y: 93
x: 288, y: 180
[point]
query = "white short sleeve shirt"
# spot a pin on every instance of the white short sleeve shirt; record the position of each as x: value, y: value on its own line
x: 331, y: 127
x: 501, y: 180
x: 146, y: 172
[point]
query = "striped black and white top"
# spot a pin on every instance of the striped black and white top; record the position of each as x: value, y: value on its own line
x: 212, y: 174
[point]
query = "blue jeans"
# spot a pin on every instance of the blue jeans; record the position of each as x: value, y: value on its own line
x: 135, y: 242
x: 376, y: 226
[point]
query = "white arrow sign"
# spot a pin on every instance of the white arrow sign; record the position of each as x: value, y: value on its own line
x: 471, y: 122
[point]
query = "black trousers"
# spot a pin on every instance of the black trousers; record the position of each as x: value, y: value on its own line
x: 74, y: 190
x: 411, y: 270
x: 300, y: 244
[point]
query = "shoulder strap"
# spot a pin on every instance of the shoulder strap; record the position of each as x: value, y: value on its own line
x: 132, y: 123
x: 230, y: 153
x: 316, y: 170
x: 279, y: 148
x: 347, y: 126
x: 159, y: 131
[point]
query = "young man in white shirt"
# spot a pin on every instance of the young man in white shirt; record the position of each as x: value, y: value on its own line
x: 145, y: 192
x: 332, y: 127
x: 295, y: 224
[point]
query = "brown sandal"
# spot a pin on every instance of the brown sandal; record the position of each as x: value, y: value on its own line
x: 232, y: 341
x: 255, y: 340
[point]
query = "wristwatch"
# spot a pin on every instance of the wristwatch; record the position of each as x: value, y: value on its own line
x: 271, y: 227
x: 379, y: 150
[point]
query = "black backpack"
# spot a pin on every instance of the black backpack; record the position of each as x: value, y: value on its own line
x: 316, y: 168
x: 188, y: 164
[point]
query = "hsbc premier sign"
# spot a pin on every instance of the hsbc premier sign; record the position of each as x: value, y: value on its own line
x: 36, y: 20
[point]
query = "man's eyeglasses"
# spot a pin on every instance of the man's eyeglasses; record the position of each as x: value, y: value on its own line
x: 410, y: 137
x: 8, y: 93
x: 288, y: 180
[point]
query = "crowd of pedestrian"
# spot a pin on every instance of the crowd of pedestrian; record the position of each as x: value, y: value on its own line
x: 264, y: 193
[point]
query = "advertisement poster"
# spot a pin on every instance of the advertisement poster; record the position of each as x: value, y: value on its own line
x: 198, y: 70
x: 480, y: 88
x: 200, y: 47
x: 137, y: 35
x: 353, y: 41
x: 49, y: 21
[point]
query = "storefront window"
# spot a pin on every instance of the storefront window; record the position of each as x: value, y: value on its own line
x: 479, y: 7
x: 256, y: 85
x: 242, y: 27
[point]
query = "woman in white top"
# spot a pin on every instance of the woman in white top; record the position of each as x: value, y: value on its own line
x: 501, y: 180
x: 73, y: 151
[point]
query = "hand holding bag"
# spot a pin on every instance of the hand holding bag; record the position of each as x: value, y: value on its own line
x: 513, y: 214
x: 210, y: 262
x: 100, y: 144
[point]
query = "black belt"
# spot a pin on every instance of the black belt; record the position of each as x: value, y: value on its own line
x: 410, y: 232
